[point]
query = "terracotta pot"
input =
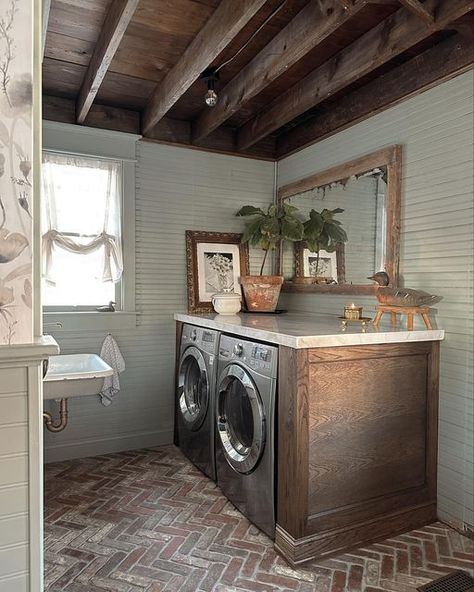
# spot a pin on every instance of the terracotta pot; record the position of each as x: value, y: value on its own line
x: 261, y: 291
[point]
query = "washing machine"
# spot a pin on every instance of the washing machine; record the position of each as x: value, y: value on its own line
x: 245, y: 428
x: 195, y: 397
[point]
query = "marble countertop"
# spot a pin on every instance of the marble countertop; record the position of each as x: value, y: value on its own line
x: 299, y: 330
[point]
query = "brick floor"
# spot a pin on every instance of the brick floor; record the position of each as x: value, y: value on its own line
x: 149, y: 521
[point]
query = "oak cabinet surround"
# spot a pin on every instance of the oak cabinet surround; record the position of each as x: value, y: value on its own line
x: 357, y: 422
x: 359, y: 427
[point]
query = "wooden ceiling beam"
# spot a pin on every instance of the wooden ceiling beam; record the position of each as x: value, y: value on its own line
x: 308, y: 29
x: 419, y: 9
x: 228, y: 19
x: 445, y: 60
x: 465, y: 26
x: 175, y: 132
x: 115, y: 25
x: 391, y: 37
x: 465, y: 30
x: 46, y: 9
x: 101, y: 116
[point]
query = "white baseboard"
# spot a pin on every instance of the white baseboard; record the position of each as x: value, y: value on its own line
x: 95, y: 447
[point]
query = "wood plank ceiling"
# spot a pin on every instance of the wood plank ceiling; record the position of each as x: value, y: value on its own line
x: 299, y: 70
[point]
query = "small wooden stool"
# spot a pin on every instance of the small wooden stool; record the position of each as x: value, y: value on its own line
x: 409, y: 311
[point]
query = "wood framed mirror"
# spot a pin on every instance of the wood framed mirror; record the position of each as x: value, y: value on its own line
x: 368, y: 189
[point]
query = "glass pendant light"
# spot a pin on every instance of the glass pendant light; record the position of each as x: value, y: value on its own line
x: 210, y: 76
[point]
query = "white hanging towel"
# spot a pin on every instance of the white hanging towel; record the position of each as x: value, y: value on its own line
x: 111, y: 354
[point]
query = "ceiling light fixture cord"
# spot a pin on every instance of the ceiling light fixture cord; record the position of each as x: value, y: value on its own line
x: 269, y: 17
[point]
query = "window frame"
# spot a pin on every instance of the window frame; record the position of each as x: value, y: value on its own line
x: 120, y: 285
x: 67, y: 138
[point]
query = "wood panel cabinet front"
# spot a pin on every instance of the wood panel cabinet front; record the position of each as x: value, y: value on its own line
x: 357, y: 445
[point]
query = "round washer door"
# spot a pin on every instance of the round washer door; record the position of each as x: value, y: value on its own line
x: 193, y: 388
x: 240, y: 419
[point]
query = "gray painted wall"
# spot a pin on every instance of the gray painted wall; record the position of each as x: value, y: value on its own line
x: 436, y: 130
x: 176, y: 190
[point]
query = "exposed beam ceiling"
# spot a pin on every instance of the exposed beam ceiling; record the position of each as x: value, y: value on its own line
x: 310, y: 27
x: 390, y: 38
x: 320, y: 67
x: 225, y: 23
x: 445, y: 60
x: 435, y: 65
x: 115, y: 24
x: 419, y: 9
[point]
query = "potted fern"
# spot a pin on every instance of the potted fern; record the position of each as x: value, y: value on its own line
x: 323, y: 232
x: 267, y: 230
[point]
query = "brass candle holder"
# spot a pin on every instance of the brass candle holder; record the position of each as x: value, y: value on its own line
x: 352, y: 312
x: 363, y: 322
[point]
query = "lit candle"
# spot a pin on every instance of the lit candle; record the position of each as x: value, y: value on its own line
x: 353, y: 312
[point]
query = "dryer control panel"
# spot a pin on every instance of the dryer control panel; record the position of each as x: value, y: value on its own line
x: 260, y: 357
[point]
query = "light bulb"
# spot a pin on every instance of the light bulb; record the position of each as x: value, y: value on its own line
x: 210, y: 98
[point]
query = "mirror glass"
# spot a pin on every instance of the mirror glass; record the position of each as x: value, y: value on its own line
x: 364, y: 201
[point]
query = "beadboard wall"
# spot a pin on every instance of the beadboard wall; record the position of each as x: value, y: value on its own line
x: 177, y: 189
x: 21, y: 460
x: 14, y: 524
x: 436, y: 131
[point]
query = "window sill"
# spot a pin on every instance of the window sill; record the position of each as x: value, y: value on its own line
x: 88, y: 320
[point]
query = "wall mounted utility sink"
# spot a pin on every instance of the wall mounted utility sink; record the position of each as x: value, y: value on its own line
x: 74, y: 375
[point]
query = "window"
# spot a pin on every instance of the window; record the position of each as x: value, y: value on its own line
x: 81, y: 230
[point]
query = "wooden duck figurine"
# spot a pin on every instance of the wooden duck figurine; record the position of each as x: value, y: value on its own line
x: 400, y: 296
x: 110, y: 307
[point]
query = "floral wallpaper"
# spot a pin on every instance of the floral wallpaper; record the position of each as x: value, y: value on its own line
x: 16, y: 146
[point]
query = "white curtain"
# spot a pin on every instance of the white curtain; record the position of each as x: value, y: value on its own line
x: 81, y: 212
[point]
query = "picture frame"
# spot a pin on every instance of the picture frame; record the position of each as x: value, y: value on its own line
x: 214, y: 262
x: 334, y: 267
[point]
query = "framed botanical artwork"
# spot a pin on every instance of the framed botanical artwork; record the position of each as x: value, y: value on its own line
x: 215, y: 261
x: 326, y: 266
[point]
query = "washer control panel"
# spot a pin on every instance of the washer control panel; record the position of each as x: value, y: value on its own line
x: 262, y: 353
x: 204, y: 339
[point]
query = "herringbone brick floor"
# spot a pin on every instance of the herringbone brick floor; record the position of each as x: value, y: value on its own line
x: 148, y: 521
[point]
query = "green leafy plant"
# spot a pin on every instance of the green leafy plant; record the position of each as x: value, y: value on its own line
x: 323, y: 232
x: 267, y: 229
